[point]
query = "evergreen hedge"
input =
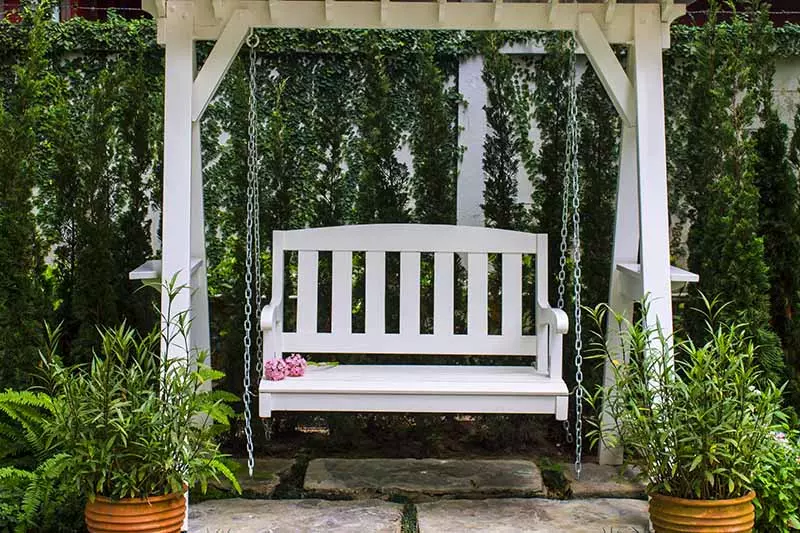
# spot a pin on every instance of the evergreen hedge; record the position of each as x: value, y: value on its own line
x: 334, y: 106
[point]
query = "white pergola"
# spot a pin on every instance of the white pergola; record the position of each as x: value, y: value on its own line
x: 641, y: 239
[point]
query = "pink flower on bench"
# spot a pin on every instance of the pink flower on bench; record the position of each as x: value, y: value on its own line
x: 296, y: 365
x: 275, y: 369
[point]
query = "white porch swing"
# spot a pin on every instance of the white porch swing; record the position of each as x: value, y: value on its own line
x: 641, y: 245
x: 520, y: 389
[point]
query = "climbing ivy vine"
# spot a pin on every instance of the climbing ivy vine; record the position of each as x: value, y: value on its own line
x: 335, y: 108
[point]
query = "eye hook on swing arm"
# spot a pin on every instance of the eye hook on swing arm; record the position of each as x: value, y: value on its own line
x: 252, y: 39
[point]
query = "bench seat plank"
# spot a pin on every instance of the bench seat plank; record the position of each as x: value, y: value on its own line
x: 418, y: 388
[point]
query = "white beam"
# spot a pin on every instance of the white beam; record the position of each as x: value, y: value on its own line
x: 607, y: 67
x: 218, y: 62
x: 177, y: 205
x: 652, y: 156
x: 442, y: 10
x: 626, y: 249
x: 422, y: 15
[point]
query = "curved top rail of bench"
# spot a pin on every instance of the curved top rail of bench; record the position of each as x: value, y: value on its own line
x: 410, y: 238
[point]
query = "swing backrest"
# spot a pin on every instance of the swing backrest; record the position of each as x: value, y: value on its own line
x: 471, y: 244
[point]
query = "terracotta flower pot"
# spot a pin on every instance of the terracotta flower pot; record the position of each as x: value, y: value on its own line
x: 678, y: 515
x: 156, y: 514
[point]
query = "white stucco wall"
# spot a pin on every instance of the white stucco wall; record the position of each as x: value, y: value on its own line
x: 472, y: 123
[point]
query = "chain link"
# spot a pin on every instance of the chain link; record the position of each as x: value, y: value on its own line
x: 252, y: 254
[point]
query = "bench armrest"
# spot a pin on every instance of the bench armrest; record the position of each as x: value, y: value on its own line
x: 270, y: 315
x: 555, y: 318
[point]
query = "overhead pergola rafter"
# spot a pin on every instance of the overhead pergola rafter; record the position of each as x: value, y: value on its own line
x: 211, y: 16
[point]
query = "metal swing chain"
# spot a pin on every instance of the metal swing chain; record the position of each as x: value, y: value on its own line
x: 572, y: 153
x: 253, y: 242
x: 566, y: 189
x: 571, y: 199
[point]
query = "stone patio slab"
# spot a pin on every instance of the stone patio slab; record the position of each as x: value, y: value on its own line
x: 535, y: 515
x: 295, y: 516
x: 604, y: 481
x: 422, y: 479
x: 267, y: 475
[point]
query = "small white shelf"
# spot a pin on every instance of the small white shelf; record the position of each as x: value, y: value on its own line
x: 631, y: 274
x: 152, y: 269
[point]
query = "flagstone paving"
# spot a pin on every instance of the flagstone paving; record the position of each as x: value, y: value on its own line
x: 422, y: 479
x: 604, y: 481
x: 536, y: 515
x: 267, y: 475
x: 295, y: 516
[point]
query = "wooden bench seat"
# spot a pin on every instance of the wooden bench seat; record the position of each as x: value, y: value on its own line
x: 535, y: 385
x: 416, y: 388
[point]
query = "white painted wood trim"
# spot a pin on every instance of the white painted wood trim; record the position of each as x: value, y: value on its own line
x: 626, y: 248
x: 652, y: 157
x: 307, y: 283
x: 218, y: 62
x: 477, y: 295
x: 410, y: 238
x: 177, y: 198
x: 411, y: 403
x: 397, y: 343
x: 419, y: 379
x: 409, y: 293
x: 427, y: 15
x: 512, y: 295
x: 608, y: 69
x: 151, y: 269
x: 375, y: 298
x: 342, y: 293
x: 443, y: 293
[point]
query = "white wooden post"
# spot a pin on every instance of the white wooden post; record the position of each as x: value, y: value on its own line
x: 626, y: 250
x: 179, y: 159
x: 647, y: 71
x: 200, y: 332
x: 177, y: 216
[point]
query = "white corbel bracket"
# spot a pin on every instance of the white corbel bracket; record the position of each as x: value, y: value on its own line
x: 442, y: 10
x: 606, y: 65
x: 329, y: 10
x: 670, y: 11
x: 219, y: 60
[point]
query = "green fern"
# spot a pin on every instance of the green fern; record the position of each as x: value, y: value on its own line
x: 33, y: 496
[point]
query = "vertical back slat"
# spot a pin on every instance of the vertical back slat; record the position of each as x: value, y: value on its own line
x: 477, y: 294
x: 512, y: 294
x: 376, y: 293
x: 443, y: 301
x: 307, y: 267
x: 342, y: 293
x: 409, y: 293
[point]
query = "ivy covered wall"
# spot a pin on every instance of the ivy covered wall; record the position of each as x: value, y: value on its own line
x: 336, y: 109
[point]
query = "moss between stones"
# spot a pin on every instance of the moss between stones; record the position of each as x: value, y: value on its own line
x: 409, y: 523
x: 556, y: 483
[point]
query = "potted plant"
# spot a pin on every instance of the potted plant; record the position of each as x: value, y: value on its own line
x: 696, y: 419
x: 134, y: 430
